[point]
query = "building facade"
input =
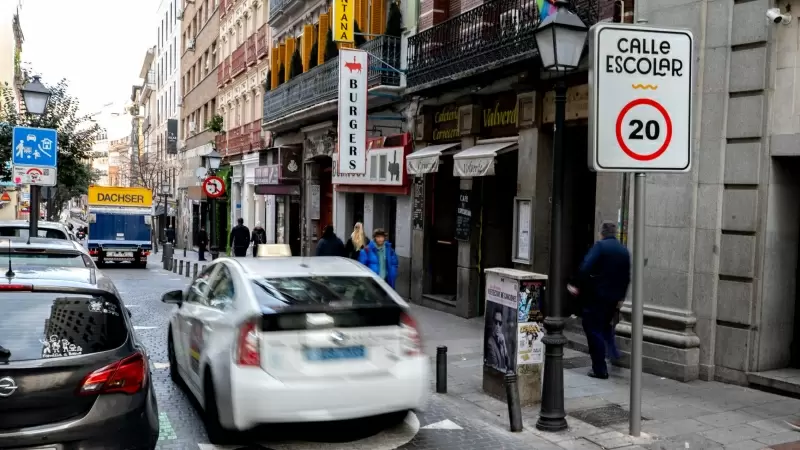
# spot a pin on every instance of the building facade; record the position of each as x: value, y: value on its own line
x: 300, y: 111
x: 200, y: 58
x: 11, y: 39
x: 118, y: 151
x: 244, y: 44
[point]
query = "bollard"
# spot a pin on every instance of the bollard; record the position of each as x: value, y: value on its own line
x: 180, y: 267
x: 174, y: 265
x: 441, y: 370
x: 194, y: 271
x: 512, y: 398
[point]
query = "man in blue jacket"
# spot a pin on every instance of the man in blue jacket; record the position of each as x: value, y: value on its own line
x: 602, y: 282
x: 380, y: 257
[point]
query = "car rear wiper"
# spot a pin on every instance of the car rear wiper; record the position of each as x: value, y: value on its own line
x: 283, y: 293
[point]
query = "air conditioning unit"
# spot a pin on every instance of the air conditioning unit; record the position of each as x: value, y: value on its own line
x: 192, y: 127
x: 191, y: 44
x: 179, y: 14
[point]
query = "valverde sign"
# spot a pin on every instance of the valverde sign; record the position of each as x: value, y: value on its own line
x: 120, y: 196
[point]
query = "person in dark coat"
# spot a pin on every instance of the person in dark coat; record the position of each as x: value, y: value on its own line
x: 330, y: 244
x: 258, y: 237
x: 602, y: 282
x: 240, y: 238
x: 202, y: 244
x: 358, y: 240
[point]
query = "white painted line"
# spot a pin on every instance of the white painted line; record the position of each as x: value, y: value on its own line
x: 446, y: 424
x: 132, y: 306
x: 385, y: 440
x: 161, y: 365
x: 175, y: 279
x: 144, y: 328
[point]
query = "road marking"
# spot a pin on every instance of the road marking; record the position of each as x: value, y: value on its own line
x: 144, y: 328
x: 133, y: 306
x: 385, y: 440
x: 446, y: 424
x: 161, y: 365
x: 165, y: 430
x: 175, y: 279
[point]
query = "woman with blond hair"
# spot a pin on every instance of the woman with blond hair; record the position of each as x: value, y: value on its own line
x: 357, y: 241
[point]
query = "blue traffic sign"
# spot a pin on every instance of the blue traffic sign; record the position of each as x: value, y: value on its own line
x: 35, y: 147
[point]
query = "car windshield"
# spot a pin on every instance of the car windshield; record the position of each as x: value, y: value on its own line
x: 46, y: 325
x: 334, y: 291
x: 47, y: 259
x: 50, y: 233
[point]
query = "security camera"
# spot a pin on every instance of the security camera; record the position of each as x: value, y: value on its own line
x: 775, y: 16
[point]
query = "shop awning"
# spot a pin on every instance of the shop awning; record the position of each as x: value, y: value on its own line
x: 478, y: 161
x: 426, y: 160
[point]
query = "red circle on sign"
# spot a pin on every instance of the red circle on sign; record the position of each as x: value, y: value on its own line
x: 667, y: 139
x: 214, y: 187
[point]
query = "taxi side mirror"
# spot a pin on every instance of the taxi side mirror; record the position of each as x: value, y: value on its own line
x: 174, y: 297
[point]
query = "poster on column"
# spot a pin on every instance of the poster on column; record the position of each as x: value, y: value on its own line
x: 353, y: 72
x: 530, y: 319
x: 500, y: 346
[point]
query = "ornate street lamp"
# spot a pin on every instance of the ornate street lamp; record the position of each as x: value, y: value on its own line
x: 35, y: 95
x: 213, y: 161
x: 560, y: 38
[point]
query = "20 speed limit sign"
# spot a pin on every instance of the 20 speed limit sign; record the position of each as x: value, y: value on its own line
x: 640, y: 99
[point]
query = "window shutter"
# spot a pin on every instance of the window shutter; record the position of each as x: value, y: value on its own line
x: 275, y: 63
x: 308, y: 42
x: 377, y: 20
x: 323, y: 32
x: 362, y: 13
x: 288, y: 57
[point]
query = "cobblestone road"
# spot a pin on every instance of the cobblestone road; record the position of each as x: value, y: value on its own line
x: 451, y: 423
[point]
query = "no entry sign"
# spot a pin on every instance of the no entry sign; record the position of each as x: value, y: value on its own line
x: 640, y: 95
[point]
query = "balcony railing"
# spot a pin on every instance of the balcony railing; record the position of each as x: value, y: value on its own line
x: 221, y: 143
x: 495, y: 34
x: 262, y: 47
x: 227, y: 74
x: 321, y: 83
x: 239, y: 140
x: 238, y: 63
x: 276, y: 7
x: 256, y: 143
x: 221, y: 79
x: 251, y: 50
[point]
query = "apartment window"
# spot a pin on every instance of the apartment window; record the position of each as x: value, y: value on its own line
x: 174, y: 97
x: 214, y: 54
x: 175, y: 47
x: 256, y: 102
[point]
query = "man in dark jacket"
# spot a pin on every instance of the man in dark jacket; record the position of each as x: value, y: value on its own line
x: 202, y: 244
x: 602, y: 283
x: 240, y: 238
x: 259, y: 237
x: 330, y: 244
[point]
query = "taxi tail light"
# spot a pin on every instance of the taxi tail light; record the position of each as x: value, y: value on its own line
x: 126, y: 376
x: 413, y: 341
x: 248, y: 348
x: 16, y: 287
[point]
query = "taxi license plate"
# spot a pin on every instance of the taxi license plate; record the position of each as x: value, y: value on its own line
x: 122, y: 254
x: 335, y: 353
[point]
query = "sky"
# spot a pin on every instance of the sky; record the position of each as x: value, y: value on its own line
x: 97, y: 45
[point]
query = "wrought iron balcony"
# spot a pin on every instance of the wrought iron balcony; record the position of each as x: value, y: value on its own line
x: 276, y: 8
x: 256, y: 143
x: 221, y: 79
x: 495, y: 34
x: 262, y: 46
x: 238, y: 64
x: 227, y: 73
x: 251, y: 50
x: 221, y: 143
x: 321, y: 84
x: 238, y: 139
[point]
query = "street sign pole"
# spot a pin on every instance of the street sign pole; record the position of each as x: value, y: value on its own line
x: 34, y: 211
x: 637, y: 306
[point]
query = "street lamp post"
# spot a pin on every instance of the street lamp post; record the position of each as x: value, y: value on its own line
x: 560, y: 38
x: 36, y: 96
x: 213, y: 161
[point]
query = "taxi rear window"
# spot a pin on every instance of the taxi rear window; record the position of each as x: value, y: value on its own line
x: 339, y: 291
x: 51, y: 325
x: 50, y: 233
x: 47, y: 259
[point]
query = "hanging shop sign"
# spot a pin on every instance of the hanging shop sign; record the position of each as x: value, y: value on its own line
x: 385, y: 167
x: 499, y: 115
x: 343, y: 20
x: 445, y: 124
x: 290, y: 164
x: 267, y: 174
x: 463, y: 215
x: 353, y: 71
x: 418, y: 203
x: 172, y: 136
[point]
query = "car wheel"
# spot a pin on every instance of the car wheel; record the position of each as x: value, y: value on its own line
x: 217, y: 433
x: 173, y: 361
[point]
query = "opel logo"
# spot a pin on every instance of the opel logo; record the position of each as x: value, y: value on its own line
x: 7, y: 386
x: 338, y: 338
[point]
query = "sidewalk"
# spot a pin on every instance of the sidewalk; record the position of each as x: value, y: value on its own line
x: 696, y: 415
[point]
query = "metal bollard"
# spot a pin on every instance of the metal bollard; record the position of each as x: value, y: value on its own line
x: 441, y: 370
x: 180, y: 267
x: 194, y: 271
x: 174, y: 265
x: 512, y: 398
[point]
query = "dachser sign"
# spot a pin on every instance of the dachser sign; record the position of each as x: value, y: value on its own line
x: 120, y: 196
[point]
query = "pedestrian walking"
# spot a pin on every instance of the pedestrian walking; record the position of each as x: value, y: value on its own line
x: 358, y: 240
x: 601, y: 284
x: 330, y: 244
x: 380, y: 257
x: 240, y: 238
x: 202, y: 244
x: 258, y: 237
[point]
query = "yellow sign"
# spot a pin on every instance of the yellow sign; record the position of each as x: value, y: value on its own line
x: 343, y: 22
x: 120, y: 196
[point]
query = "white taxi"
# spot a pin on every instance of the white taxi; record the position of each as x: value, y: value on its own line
x: 271, y: 340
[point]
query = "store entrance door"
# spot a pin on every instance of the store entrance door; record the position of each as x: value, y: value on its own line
x: 442, y: 242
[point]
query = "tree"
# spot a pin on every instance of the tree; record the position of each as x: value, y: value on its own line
x: 281, y: 74
x: 146, y: 170
x: 357, y: 36
x: 215, y: 124
x: 312, y: 62
x: 295, y: 64
x: 76, y: 136
x: 394, y: 24
x: 331, y: 51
